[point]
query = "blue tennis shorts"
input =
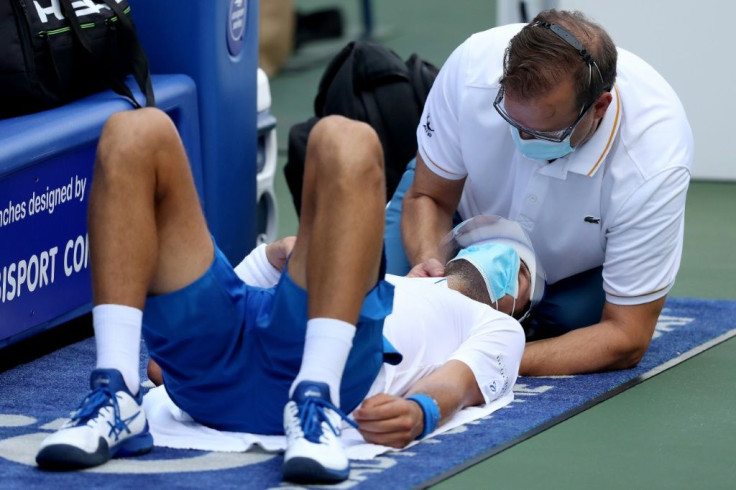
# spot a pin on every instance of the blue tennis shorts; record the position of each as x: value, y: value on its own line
x: 229, y: 352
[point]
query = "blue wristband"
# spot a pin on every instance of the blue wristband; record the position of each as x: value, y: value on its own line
x: 431, y: 412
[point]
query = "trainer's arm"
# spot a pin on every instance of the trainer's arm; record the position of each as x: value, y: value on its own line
x: 619, y: 341
x: 394, y: 421
x: 426, y: 217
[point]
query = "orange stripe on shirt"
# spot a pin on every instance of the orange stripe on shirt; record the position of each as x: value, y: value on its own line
x: 639, y: 295
x: 610, y: 137
x: 438, y: 166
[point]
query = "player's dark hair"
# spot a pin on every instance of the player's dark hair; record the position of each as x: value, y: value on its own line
x: 471, y: 282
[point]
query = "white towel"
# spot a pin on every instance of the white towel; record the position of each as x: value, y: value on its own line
x: 174, y: 428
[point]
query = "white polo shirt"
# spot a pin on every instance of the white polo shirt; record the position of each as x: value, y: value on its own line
x: 617, y: 201
x: 431, y: 324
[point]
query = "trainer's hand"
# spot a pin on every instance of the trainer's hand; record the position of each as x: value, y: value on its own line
x: 428, y: 268
x: 389, y: 420
x: 278, y: 251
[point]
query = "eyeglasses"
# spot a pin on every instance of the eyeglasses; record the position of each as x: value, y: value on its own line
x: 560, y: 135
x: 554, y: 136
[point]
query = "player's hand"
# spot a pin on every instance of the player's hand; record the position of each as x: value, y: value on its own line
x: 154, y: 373
x: 389, y: 420
x: 278, y: 251
x: 429, y: 268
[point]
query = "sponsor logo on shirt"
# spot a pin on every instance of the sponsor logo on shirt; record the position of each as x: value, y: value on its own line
x: 428, y: 126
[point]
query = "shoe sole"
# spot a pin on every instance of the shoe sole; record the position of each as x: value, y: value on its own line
x: 65, y: 457
x: 134, y: 446
x: 307, y: 470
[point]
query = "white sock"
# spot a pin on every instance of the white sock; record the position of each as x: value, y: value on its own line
x: 118, y: 338
x: 326, y: 348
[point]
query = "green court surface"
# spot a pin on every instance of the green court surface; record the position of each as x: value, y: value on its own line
x: 675, y: 430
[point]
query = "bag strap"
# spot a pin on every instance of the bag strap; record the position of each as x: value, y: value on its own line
x: 140, y: 62
x: 422, y: 77
x: 141, y: 70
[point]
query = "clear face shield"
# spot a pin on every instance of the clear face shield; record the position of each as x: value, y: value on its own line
x: 490, y: 229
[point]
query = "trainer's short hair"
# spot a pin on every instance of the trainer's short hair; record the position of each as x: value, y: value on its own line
x: 537, y: 59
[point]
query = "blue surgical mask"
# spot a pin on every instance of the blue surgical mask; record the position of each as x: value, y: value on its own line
x: 498, y: 264
x: 541, y: 149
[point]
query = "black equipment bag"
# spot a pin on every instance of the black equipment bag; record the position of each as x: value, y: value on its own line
x: 370, y: 83
x: 56, y: 51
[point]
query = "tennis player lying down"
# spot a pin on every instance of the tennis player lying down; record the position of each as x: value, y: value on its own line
x: 270, y: 348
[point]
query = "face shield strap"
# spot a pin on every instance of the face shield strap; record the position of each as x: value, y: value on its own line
x: 526, y: 313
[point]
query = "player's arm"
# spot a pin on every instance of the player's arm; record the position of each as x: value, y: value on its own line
x: 481, y: 370
x: 619, y: 341
x: 426, y: 217
x: 394, y: 421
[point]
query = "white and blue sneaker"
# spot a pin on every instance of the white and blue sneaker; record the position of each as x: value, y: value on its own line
x: 314, y: 452
x: 109, y: 423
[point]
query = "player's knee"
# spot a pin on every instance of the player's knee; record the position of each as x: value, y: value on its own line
x: 346, y: 152
x: 129, y: 137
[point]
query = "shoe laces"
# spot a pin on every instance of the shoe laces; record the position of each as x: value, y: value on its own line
x: 312, y: 414
x: 97, y: 400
